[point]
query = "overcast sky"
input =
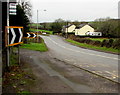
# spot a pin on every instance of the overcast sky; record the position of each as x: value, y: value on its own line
x: 81, y: 10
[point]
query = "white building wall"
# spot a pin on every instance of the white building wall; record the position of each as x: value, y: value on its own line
x: 70, y: 29
x: 82, y: 31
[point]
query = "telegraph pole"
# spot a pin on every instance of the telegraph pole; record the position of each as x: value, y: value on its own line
x: 8, y: 59
x: 11, y: 10
x: 37, y: 25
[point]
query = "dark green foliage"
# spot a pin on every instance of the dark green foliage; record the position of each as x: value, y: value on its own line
x: 22, y: 18
x: 56, y: 26
x: 109, y: 27
x: 110, y: 43
x: 116, y: 44
x: 71, y: 36
x: 87, y: 41
x: 97, y: 43
x: 103, y: 43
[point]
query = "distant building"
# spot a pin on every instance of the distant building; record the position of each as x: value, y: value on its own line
x: 86, y: 30
x: 69, y: 28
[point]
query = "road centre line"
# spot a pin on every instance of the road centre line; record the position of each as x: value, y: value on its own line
x: 81, y: 51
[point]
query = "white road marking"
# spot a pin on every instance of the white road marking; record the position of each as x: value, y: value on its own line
x: 83, y: 52
x: 68, y: 60
x: 111, y: 74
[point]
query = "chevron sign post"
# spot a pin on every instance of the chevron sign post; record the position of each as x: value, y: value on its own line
x: 30, y: 35
x: 15, y: 35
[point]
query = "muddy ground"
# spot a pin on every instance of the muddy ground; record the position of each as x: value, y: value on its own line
x: 52, y: 75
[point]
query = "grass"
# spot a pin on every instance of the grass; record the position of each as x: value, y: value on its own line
x: 99, y: 39
x: 49, y: 32
x: 24, y: 93
x: 35, y: 46
x: 93, y: 47
x: 34, y: 24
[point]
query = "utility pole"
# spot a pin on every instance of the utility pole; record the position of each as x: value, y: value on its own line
x: 37, y: 25
x: 67, y: 30
x: 8, y: 59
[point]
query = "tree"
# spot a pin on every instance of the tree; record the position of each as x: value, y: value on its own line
x: 76, y: 23
x: 57, y: 25
x: 24, y: 14
x: 108, y: 27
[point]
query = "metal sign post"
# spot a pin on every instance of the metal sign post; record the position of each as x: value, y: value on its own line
x: 37, y: 26
x: 18, y: 54
x: 8, y: 59
x: 11, y: 9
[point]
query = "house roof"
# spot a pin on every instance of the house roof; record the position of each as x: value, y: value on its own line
x: 81, y: 25
x: 67, y: 26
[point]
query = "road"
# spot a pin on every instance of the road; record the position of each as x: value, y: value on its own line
x: 100, y: 63
x: 52, y: 75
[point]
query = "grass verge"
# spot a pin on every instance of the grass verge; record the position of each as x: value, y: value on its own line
x: 98, y: 39
x: 94, y: 47
x: 36, y: 46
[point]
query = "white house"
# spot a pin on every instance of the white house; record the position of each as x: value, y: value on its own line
x: 69, y: 29
x: 86, y: 30
x: 83, y: 29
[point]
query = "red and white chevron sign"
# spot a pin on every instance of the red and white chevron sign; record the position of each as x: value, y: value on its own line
x: 14, y: 36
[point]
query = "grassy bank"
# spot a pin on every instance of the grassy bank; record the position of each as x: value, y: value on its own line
x: 36, y: 46
x: 93, y: 47
x: 98, y: 39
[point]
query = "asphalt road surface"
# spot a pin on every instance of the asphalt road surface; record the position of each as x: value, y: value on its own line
x: 103, y: 64
x: 52, y: 75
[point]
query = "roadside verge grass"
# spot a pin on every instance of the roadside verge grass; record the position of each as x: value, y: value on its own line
x: 36, y: 46
x: 93, y: 47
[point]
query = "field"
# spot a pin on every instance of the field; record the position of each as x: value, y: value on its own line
x: 34, y: 30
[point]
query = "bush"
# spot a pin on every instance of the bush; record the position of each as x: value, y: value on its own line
x: 104, y: 42
x: 110, y: 43
x: 87, y: 41
x: 71, y: 36
x: 116, y: 44
x: 97, y: 43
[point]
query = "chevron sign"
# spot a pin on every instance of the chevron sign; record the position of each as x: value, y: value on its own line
x: 15, y: 35
x: 30, y: 35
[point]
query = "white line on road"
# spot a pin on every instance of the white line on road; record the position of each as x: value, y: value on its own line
x: 111, y: 74
x: 82, y: 52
